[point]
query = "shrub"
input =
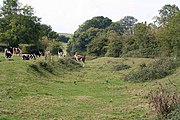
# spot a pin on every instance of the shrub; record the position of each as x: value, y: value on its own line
x: 27, y: 48
x: 35, y: 68
x: 69, y: 62
x: 157, y: 70
x: 164, y: 102
x: 120, y: 67
x: 55, y: 47
x: 46, y: 65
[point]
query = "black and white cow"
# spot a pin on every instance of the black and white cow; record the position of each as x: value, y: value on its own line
x: 37, y: 52
x: 7, y: 53
x: 60, y: 53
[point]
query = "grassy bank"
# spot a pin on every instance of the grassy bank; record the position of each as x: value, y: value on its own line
x: 93, y: 92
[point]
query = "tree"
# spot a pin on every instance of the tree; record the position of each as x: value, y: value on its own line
x: 96, y: 22
x: 128, y: 22
x: 170, y: 37
x: 98, y: 45
x: 79, y: 42
x: 123, y: 26
x: 63, y: 38
x: 18, y: 24
x: 115, y: 44
x: 165, y: 14
x: 146, y: 41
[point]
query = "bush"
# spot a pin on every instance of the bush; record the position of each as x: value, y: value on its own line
x: 27, y: 48
x: 47, y: 66
x: 157, y: 70
x: 164, y: 102
x: 69, y: 62
x: 35, y: 68
x: 120, y: 67
x: 55, y: 47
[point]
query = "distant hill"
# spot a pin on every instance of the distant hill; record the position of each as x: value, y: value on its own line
x: 66, y: 34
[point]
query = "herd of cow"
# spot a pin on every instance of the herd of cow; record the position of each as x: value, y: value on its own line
x: 11, y: 51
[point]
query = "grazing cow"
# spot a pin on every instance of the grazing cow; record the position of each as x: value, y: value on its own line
x: 25, y: 57
x: 7, y: 53
x: 60, y: 53
x: 37, y: 52
x: 80, y: 59
x: 28, y: 57
x: 16, y: 51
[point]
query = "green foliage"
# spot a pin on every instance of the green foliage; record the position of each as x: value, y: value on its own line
x: 55, y: 46
x: 63, y: 38
x: 115, y: 45
x: 27, y: 48
x: 53, y: 67
x: 96, y: 22
x: 18, y: 24
x: 165, y: 102
x: 157, y: 70
x: 86, y: 32
x: 70, y: 63
x: 46, y: 31
x: 79, y: 42
x: 170, y: 37
x: 123, y: 26
x: 98, y: 46
x: 165, y: 14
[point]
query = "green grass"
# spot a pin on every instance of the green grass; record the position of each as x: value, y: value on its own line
x: 90, y: 93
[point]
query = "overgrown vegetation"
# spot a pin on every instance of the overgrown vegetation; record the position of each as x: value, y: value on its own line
x: 156, y: 70
x: 53, y: 67
x: 165, y: 102
x: 120, y: 67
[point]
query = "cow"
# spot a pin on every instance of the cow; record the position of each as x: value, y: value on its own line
x: 80, y: 58
x: 60, y: 53
x: 28, y: 57
x: 37, y: 52
x: 25, y: 57
x: 7, y: 53
x: 16, y: 51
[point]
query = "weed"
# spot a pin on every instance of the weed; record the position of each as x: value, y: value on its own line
x: 164, y: 101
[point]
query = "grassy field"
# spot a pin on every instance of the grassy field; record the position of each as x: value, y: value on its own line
x: 94, y: 92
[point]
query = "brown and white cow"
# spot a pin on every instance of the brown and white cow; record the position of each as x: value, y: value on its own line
x: 16, y: 51
x: 80, y: 58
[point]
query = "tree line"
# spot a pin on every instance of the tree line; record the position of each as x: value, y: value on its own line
x: 100, y: 36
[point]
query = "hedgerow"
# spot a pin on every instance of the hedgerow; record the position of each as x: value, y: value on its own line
x: 156, y: 70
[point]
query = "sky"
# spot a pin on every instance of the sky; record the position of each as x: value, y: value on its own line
x: 65, y: 16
